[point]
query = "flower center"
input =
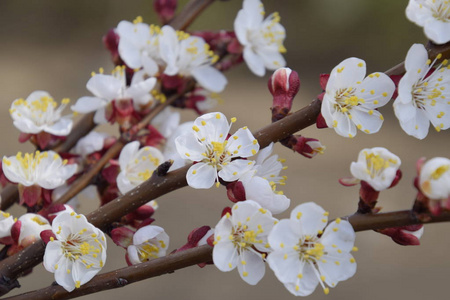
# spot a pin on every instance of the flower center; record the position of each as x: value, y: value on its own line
x: 310, y: 250
x: 147, y: 251
x: 376, y: 164
x: 440, y: 171
x: 346, y: 100
x: 440, y: 10
x: 242, y: 238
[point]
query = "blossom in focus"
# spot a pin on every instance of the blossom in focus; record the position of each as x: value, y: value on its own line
x: 45, y: 169
x: 350, y: 100
x: 108, y: 88
x: 77, y: 254
x: 240, y: 238
x: 434, y: 178
x: 433, y: 16
x: 305, y: 255
x: 260, y: 183
x: 186, y: 55
x: 261, y: 38
x: 137, y: 165
x: 207, y: 144
x: 39, y: 113
x: 149, y: 242
x: 138, y: 45
x: 376, y: 166
x: 423, y: 94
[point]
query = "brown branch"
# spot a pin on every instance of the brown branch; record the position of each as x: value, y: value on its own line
x: 9, y: 196
x: 170, y: 263
x: 125, y: 276
x: 190, y: 12
x: 85, y: 125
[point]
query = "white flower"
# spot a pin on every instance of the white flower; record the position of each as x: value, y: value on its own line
x: 261, y: 181
x: 45, y: 169
x: 138, y: 45
x: 77, y: 254
x: 187, y: 55
x: 39, y: 113
x: 31, y: 227
x: 433, y: 16
x: 377, y: 166
x: 238, y: 238
x: 90, y: 143
x: 6, y: 222
x: 423, y: 97
x: 301, y: 259
x: 350, y: 100
x: 434, y: 178
x: 208, y: 145
x: 107, y: 88
x: 149, y: 242
x: 262, y: 39
x: 137, y: 165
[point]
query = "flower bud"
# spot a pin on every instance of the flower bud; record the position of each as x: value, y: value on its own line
x: 405, y: 235
x: 283, y: 85
x: 165, y: 9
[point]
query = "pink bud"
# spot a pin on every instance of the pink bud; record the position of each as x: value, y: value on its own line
x: 283, y: 85
x: 195, y: 237
x: 406, y: 235
x: 122, y: 236
x: 236, y: 191
x: 165, y: 9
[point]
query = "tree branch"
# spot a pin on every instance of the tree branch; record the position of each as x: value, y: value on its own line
x: 190, y: 12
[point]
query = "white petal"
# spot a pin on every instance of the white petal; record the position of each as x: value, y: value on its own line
x: 104, y: 86
x: 243, y: 143
x: 253, y: 271
x: 254, y: 62
x: 346, y: 74
x: 201, y: 176
x: 88, y: 104
x: 225, y: 256
x: 308, y: 219
x: 210, y: 78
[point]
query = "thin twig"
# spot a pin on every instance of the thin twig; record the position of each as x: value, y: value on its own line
x: 190, y: 12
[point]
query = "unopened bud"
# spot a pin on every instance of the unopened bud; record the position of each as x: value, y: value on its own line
x: 283, y: 85
x: 406, y: 235
x: 165, y: 9
x: 236, y: 191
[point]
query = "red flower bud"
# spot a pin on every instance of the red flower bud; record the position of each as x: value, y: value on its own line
x: 283, y: 85
x: 405, y: 235
x: 165, y: 9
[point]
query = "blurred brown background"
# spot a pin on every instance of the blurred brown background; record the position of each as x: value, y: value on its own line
x: 54, y: 46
